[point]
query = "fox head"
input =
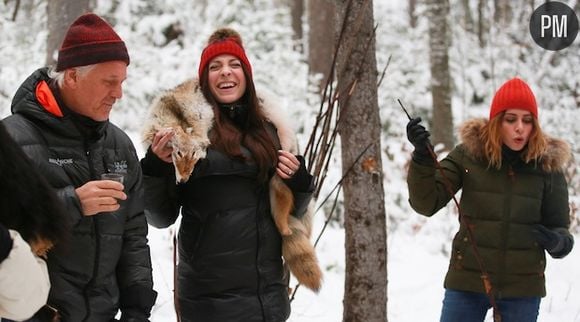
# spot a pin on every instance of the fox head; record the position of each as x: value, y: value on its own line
x: 186, y: 152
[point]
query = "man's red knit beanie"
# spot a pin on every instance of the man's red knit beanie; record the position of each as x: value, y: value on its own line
x: 90, y: 40
x: 514, y: 93
x: 224, y: 41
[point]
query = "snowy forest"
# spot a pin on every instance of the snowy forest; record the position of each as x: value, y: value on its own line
x: 443, y: 59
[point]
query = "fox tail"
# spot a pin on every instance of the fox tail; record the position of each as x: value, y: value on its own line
x: 300, y: 255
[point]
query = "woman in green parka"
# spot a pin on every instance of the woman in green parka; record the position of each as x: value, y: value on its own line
x: 514, y: 198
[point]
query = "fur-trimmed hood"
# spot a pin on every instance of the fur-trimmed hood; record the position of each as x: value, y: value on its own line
x: 555, y: 159
x: 188, y: 105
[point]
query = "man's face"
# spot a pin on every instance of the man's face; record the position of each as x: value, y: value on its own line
x: 94, y: 91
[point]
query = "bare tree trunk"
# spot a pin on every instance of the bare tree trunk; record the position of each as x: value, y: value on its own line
x: 442, y: 128
x: 503, y: 12
x: 15, y: 12
x: 60, y: 14
x: 412, y: 13
x: 481, y: 22
x: 297, y: 11
x: 321, y: 37
x: 467, y: 16
x: 365, y: 295
x: 24, y: 11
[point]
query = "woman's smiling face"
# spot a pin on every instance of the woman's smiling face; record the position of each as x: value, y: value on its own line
x: 227, y: 81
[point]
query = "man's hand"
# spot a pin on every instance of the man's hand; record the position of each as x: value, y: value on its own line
x: 100, y: 196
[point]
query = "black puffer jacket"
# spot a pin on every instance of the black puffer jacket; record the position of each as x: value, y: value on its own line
x: 106, y: 266
x: 230, y: 265
x: 230, y: 251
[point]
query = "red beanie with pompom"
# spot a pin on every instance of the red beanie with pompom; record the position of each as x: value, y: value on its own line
x: 90, y: 40
x: 516, y: 94
x: 224, y: 41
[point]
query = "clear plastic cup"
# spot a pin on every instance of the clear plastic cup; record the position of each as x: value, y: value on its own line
x: 113, y: 176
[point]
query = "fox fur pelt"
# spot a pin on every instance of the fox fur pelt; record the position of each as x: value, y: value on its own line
x: 186, y: 111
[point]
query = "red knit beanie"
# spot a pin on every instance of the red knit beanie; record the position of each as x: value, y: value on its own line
x: 224, y: 41
x: 514, y: 93
x: 90, y: 40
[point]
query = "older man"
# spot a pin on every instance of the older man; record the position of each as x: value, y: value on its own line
x: 61, y: 120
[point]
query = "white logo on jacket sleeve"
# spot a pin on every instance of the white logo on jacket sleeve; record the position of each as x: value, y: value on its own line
x: 60, y: 162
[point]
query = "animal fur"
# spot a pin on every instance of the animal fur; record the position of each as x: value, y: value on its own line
x: 186, y: 111
x: 281, y: 201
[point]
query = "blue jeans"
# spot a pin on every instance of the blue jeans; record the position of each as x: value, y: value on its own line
x: 461, y: 306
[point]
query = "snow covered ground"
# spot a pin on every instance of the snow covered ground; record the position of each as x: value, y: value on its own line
x: 416, y: 269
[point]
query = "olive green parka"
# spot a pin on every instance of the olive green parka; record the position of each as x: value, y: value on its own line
x: 501, y: 206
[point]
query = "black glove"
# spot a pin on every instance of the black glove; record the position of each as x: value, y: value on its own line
x: 548, y: 239
x: 557, y: 245
x: 419, y: 137
x: 301, y: 181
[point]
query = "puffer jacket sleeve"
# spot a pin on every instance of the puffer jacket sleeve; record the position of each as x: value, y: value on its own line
x: 556, y: 211
x: 24, y: 282
x: 426, y: 184
x: 134, y: 271
x: 72, y: 204
x: 161, y: 202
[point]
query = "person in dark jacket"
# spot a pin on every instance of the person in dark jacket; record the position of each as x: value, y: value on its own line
x: 60, y: 119
x: 230, y: 263
x: 32, y: 221
x: 514, y: 207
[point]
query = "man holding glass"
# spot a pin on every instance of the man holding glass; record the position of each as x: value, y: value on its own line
x: 61, y: 120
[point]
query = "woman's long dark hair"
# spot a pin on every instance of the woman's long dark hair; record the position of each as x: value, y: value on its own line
x: 28, y: 204
x: 228, y: 138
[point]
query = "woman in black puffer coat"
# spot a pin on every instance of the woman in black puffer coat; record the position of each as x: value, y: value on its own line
x: 230, y: 264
